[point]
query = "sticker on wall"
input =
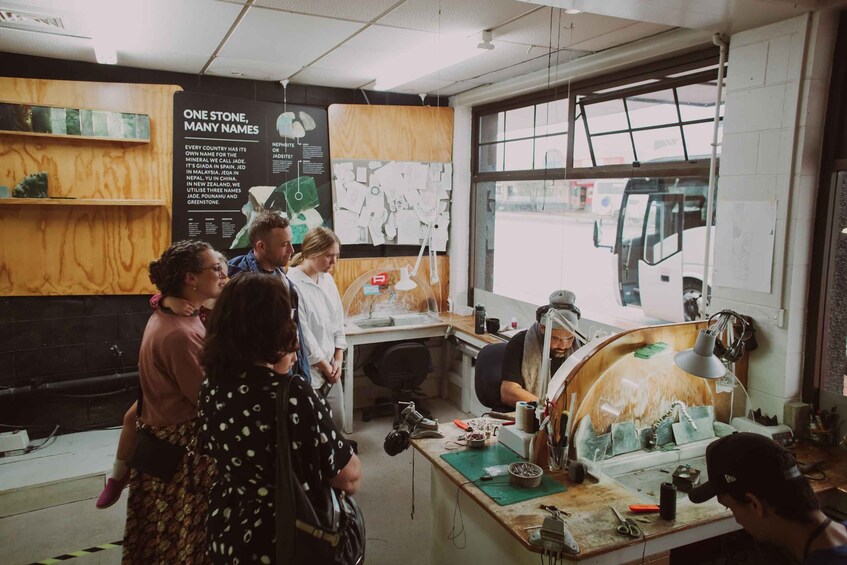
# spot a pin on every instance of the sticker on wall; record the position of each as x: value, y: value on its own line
x: 379, y: 279
x: 370, y: 290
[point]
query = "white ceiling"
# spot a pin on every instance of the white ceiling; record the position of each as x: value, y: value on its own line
x: 344, y: 43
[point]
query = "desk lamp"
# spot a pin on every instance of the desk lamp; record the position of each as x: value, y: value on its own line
x: 406, y: 283
x: 701, y: 360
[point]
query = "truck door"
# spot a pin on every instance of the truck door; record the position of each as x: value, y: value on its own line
x: 630, y: 245
x: 660, y: 266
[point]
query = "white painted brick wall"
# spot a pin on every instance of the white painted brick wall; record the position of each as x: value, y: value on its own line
x: 777, y: 86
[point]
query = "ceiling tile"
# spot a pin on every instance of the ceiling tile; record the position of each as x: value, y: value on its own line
x: 729, y: 16
x: 173, y: 61
x: 461, y: 86
x: 189, y: 26
x: 534, y: 29
x: 317, y: 76
x: 251, y: 68
x: 364, y: 55
x: 428, y: 85
x: 276, y: 37
x: 357, y: 10
x: 632, y: 32
x: 503, y: 56
x: 457, y: 17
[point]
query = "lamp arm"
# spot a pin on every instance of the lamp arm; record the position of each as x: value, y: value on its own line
x: 554, y: 316
x: 723, y: 319
x: 421, y: 251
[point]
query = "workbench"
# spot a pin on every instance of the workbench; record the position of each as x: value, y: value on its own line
x: 459, y: 327
x: 498, y: 534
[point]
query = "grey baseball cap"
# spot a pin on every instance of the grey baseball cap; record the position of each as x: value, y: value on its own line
x: 564, y: 301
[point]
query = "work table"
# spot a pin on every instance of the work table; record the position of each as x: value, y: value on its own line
x: 591, y: 521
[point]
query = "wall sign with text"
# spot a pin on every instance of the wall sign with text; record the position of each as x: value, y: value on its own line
x: 235, y: 158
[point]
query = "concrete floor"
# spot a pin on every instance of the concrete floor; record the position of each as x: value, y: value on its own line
x: 385, y: 498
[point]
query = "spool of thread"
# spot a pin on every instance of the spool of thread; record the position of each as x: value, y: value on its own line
x: 525, y: 417
x: 667, y: 501
x: 576, y: 472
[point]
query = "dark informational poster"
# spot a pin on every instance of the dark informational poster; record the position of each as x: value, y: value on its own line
x: 235, y: 158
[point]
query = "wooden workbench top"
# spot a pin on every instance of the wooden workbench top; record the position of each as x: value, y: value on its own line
x: 592, y: 522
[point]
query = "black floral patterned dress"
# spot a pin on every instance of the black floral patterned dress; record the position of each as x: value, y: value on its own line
x: 238, y: 429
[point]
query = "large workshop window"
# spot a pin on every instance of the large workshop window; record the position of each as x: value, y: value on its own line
x: 548, y: 165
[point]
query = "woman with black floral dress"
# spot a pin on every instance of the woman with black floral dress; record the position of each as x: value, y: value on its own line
x: 247, y: 353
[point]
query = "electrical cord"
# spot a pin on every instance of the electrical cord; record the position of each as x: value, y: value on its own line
x: 116, y: 392
x: 47, y: 441
x: 455, y: 534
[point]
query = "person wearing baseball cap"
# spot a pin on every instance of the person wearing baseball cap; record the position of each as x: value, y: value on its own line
x: 523, y: 355
x: 760, y: 482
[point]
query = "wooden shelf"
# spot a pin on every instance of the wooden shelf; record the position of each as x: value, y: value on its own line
x: 79, y: 202
x: 65, y: 136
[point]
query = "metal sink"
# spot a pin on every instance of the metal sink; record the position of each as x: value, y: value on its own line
x: 366, y: 323
x: 643, y: 472
x: 400, y: 320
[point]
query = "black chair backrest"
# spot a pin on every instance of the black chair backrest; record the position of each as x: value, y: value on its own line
x: 489, y: 374
x: 403, y: 365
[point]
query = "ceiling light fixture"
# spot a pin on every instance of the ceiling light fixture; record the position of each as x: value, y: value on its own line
x: 572, y: 11
x: 432, y: 57
x: 105, y: 53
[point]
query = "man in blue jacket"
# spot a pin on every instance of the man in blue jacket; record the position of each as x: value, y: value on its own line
x: 271, y: 237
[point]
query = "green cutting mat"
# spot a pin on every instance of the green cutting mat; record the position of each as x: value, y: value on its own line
x: 473, y: 462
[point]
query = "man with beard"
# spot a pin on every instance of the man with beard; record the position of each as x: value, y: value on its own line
x: 271, y: 238
x: 522, y: 358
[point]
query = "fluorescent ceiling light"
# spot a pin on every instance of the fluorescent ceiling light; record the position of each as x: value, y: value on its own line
x: 106, y: 20
x: 432, y: 57
x: 105, y: 53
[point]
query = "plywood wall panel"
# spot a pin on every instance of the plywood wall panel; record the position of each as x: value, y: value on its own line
x: 391, y: 133
x: 87, y: 249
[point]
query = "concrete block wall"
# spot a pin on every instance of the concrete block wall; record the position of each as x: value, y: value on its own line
x: 776, y: 97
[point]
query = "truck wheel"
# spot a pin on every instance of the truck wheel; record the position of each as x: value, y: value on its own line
x: 692, y: 293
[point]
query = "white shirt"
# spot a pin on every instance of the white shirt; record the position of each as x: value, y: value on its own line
x: 322, y: 319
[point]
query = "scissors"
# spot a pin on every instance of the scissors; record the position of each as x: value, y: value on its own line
x: 627, y: 527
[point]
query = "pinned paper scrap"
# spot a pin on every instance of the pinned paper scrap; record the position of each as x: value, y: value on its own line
x: 354, y: 196
x: 375, y: 229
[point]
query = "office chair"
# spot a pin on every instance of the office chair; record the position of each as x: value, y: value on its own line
x: 488, y: 376
x: 402, y: 368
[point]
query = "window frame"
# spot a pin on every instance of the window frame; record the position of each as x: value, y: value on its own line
x: 588, y: 88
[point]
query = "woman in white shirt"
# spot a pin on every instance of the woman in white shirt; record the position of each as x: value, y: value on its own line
x: 323, y: 315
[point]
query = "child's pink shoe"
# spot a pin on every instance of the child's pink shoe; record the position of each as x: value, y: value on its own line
x: 112, y: 491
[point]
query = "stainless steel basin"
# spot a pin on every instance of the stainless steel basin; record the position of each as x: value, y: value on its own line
x: 373, y: 323
x: 412, y: 319
x: 643, y: 472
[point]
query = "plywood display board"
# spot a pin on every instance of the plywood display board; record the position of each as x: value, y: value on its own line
x: 115, y: 196
x: 236, y: 158
x: 392, y: 174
